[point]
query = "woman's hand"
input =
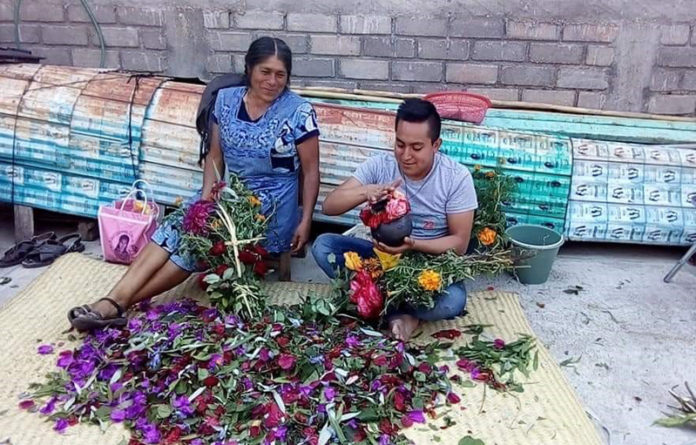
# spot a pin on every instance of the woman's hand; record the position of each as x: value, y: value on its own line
x: 301, y: 236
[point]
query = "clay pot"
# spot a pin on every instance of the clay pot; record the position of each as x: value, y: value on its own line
x: 392, y: 234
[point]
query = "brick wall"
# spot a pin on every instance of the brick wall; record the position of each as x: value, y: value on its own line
x: 554, y: 61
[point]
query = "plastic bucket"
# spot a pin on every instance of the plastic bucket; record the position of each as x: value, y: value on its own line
x: 537, y: 247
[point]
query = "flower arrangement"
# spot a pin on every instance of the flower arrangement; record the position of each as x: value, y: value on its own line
x: 492, y: 189
x: 394, y: 206
x: 385, y: 282
x: 223, y: 235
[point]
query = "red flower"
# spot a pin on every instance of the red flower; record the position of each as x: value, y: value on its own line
x: 248, y: 257
x: 386, y: 427
x: 425, y: 368
x: 286, y: 361
x: 453, y: 398
x: 202, y: 284
x: 282, y: 341
x: 399, y: 401
x: 274, y: 416
x: 221, y: 269
x: 260, y: 268
x: 211, y: 381
x: 255, y: 431
x: 364, y: 293
x: 218, y: 249
x: 173, y: 436
x: 449, y: 334
x: 259, y: 250
x: 196, y: 217
x: 217, y: 188
x: 396, y: 208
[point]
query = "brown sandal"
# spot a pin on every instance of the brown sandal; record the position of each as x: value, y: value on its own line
x: 84, y: 318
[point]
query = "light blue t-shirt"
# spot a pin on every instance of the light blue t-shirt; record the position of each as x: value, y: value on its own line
x: 447, y: 189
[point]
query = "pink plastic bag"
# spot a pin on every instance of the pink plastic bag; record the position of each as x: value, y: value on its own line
x: 126, y: 226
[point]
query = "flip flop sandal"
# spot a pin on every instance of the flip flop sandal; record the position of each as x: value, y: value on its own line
x: 19, y: 252
x: 84, y: 318
x: 47, y: 252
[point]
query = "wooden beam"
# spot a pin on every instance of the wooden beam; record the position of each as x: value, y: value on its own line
x: 23, y: 222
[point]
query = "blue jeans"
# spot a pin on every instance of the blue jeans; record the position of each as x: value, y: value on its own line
x: 449, y: 303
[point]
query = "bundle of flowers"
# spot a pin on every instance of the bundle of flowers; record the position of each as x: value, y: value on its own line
x: 181, y: 373
x: 391, y: 208
x: 385, y: 282
x: 493, y: 190
x: 223, y: 235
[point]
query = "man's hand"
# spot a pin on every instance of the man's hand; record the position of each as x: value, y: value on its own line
x: 377, y: 192
x: 408, y: 244
x: 301, y: 236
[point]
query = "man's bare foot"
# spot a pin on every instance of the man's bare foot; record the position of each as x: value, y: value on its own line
x: 403, y: 326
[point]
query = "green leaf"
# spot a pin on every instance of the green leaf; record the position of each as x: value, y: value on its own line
x: 468, y: 440
x: 163, y: 411
x: 676, y: 421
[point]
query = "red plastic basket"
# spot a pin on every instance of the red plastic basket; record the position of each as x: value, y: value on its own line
x: 460, y: 106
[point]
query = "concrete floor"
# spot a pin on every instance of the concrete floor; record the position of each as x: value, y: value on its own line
x: 633, y: 334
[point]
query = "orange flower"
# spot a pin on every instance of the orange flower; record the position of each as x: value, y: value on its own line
x: 487, y: 236
x: 430, y: 280
x: 353, y: 261
x: 477, y: 167
x: 254, y: 201
x: 178, y: 201
x: 490, y: 174
x: 373, y: 266
x: 260, y: 218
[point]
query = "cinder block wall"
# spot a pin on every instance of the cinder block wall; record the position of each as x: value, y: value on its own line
x: 588, y: 53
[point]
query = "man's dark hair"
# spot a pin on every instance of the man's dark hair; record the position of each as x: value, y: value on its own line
x: 419, y: 110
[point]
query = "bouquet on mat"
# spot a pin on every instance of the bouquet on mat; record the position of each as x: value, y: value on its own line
x: 223, y: 235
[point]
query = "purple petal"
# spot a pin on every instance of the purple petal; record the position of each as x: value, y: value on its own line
x: 118, y: 415
x: 45, y: 349
x: 416, y: 416
x: 60, y: 425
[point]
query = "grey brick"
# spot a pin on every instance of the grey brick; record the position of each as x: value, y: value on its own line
x: 27, y: 33
x: 468, y: 73
x: 149, y: 61
x: 555, y: 97
x: 674, y: 34
x: 532, y: 30
x: 91, y: 58
x: 677, y: 57
x: 425, y: 71
x: 52, y: 55
x: 338, y: 45
x: 313, y: 67
x: 6, y: 12
x: 64, y: 34
x: 121, y: 36
x: 427, y: 88
x: 312, y: 22
x: 477, y: 27
x: 600, y: 55
x: 238, y: 63
x: 689, y: 81
x: 298, y: 43
x: 590, y: 32
x: 527, y: 75
x: 103, y: 13
x: 138, y: 16
x: 421, y: 26
x: 496, y: 93
x: 219, y: 63
x: 388, y: 47
x: 588, y: 99
x: 672, y: 104
x: 443, y: 49
x: 365, y: 69
x: 385, y: 86
x: 365, y: 24
x: 216, y: 19
x: 583, y: 78
x: 665, y: 80
x: 229, y: 41
x: 260, y: 20
x: 345, y: 84
x: 556, y: 52
x: 493, y: 50
x: 39, y: 11
x: 153, y: 39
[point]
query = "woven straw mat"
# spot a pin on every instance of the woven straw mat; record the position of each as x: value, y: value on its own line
x: 547, y: 412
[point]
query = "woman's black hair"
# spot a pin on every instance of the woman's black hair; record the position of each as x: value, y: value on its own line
x: 263, y: 48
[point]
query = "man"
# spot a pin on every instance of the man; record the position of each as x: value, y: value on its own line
x: 442, y: 197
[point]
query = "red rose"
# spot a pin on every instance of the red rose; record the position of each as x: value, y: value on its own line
x: 260, y: 268
x: 247, y: 257
x: 218, y: 249
x: 364, y: 293
x: 211, y: 381
x: 286, y: 361
x: 449, y: 334
x: 274, y: 416
x: 221, y: 269
x: 255, y: 431
x: 282, y: 341
x: 399, y: 401
x: 259, y: 250
x: 396, y: 208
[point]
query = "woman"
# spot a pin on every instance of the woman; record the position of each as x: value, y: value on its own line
x: 264, y: 134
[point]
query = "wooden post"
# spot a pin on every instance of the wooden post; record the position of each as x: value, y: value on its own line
x: 284, y: 272
x: 23, y: 222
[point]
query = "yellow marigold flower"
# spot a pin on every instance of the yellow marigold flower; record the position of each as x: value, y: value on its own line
x: 490, y: 174
x: 477, y: 167
x: 178, y: 201
x: 254, y: 201
x: 353, y: 261
x: 387, y: 260
x: 430, y: 280
x: 260, y: 217
x: 487, y: 236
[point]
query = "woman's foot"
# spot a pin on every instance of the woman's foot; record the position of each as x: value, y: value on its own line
x: 403, y: 326
x: 106, y: 312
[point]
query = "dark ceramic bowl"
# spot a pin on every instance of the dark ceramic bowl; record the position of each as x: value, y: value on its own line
x: 392, y: 234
